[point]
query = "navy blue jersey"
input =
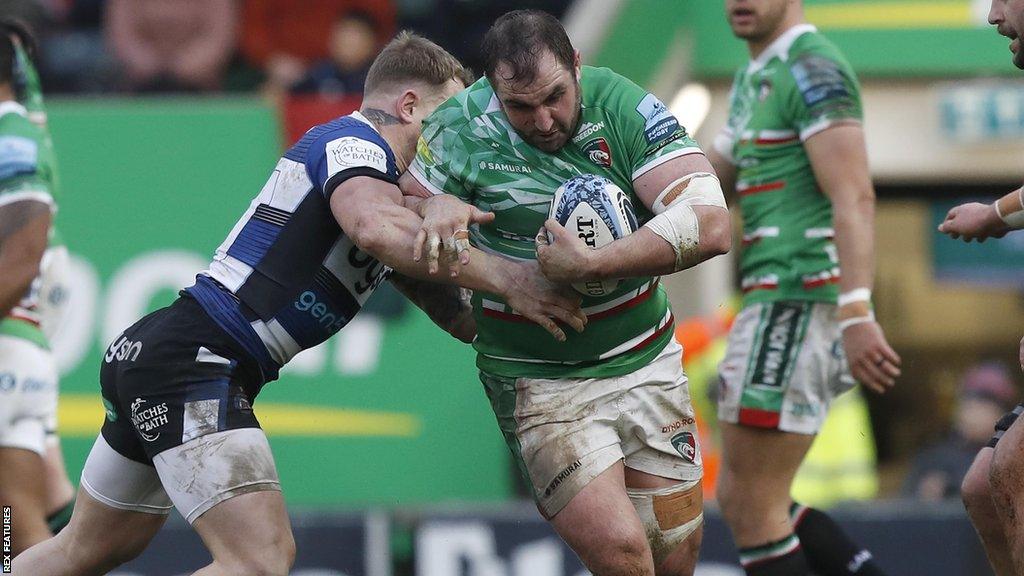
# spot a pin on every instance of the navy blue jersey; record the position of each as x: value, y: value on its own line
x: 287, y: 277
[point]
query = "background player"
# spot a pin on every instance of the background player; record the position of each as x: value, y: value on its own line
x: 28, y: 374
x: 991, y: 489
x: 601, y: 425
x: 794, y: 153
x: 178, y: 386
x: 52, y: 290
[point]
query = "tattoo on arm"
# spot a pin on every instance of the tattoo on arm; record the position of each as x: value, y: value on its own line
x: 380, y: 117
x: 445, y: 304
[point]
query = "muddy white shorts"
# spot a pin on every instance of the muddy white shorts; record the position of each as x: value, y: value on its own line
x: 564, y: 433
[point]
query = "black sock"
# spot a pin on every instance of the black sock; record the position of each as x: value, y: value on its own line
x: 780, y: 558
x: 59, y: 519
x: 829, y: 551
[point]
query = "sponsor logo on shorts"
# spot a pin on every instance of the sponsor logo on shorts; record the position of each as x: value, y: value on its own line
x: 778, y: 345
x: 686, y: 444
x: 123, y: 349
x: 687, y: 421
x: 803, y: 410
x: 562, y: 477
x: 146, y: 420
x: 7, y: 382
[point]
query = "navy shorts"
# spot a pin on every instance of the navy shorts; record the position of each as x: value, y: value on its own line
x: 173, y: 376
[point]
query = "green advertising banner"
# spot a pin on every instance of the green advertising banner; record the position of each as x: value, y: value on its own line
x: 882, y: 38
x: 388, y: 412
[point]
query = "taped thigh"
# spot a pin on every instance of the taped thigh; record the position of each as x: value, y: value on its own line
x: 669, y: 515
x: 208, y: 470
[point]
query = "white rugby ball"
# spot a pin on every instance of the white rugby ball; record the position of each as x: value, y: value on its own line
x: 598, y: 212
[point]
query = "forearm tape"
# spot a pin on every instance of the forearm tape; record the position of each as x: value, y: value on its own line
x: 675, y: 220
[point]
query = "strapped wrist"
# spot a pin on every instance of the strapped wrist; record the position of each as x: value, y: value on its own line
x: 844, y: 324
x: 855, y: 295
x: 1010, y: 209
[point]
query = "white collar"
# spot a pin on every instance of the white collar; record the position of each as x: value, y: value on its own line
x: 359, y: 116
x: 10, y: 106
x: 780, y: 47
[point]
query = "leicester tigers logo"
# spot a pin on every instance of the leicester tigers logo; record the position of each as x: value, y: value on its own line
x: 686, y: 445
x: 598, y: 152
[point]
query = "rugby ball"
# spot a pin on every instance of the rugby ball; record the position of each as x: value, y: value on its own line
x: 598, y: 212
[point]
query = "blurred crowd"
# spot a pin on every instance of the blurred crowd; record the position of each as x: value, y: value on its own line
x: 210, y: 46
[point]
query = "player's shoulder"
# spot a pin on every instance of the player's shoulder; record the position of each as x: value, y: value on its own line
x: 814, y: 49
x: 355, y: 125
x: 350, y: 141
x: 19, y: 142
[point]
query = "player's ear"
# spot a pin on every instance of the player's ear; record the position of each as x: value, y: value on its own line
x: 407, y: 103
x: 576, y: 63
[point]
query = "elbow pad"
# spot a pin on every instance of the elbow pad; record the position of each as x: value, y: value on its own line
x: 675, y: 220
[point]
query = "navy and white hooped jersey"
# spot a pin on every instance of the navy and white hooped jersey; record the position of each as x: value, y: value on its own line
x: 287, y: 277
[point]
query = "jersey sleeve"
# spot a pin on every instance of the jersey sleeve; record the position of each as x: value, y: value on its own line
x: 651, y: 132
x: 21, y: 176
x: 442, y: 158
x: 824, y: 93
x: 346, y: 153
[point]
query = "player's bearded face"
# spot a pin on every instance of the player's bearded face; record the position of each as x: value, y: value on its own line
x: 755, y: 19
x: 1008, y: 17
x: 544, y: 111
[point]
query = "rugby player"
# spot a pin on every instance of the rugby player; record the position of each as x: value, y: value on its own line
x: 991, y: 489
x: 793, y: 152
x: 601, y: 426
x: 179, y: 385
x: 52, y: 292
x: 28, y: 374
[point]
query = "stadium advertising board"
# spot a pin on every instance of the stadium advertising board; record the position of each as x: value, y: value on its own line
x: 334, y: 545
x: 516, y: 542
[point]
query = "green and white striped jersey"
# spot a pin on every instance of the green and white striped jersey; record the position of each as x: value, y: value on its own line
x: 469, y: 149
x: 799, y: 86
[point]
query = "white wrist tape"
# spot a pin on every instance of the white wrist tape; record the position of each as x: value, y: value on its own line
x: 855, y: 295
x: 679, y: 227
x: 1013, y: 218
x: 844, y: 324
x: 697, y: 189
